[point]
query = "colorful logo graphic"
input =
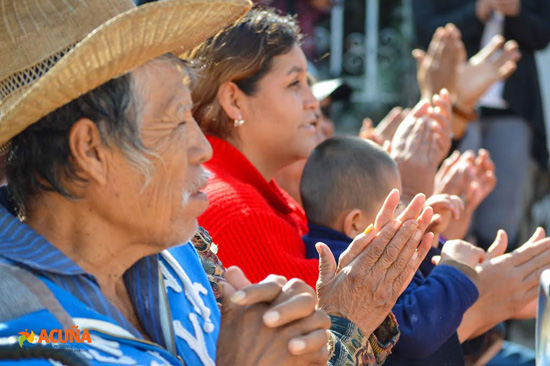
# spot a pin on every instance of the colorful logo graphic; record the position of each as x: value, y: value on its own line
x: 25, y: 336
x: 54, y: 336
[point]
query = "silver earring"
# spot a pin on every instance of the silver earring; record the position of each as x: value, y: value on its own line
x: 238, y: 122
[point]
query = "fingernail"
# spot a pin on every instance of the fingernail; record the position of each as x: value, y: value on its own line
x: 417, y: 235
x: 238, y: 297
x: 395, y: 224
x: 271, y: 318
x: 368, y: 229
x: 415, y: 255
x: 318, y: 249
x: 297, y: 345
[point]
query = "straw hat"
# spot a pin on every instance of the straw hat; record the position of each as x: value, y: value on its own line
x: 51, y: 52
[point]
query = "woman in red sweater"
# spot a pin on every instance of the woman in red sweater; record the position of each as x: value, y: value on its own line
x: 259, y: 113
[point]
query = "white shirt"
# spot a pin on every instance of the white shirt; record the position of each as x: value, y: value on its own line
x: 493, y: 97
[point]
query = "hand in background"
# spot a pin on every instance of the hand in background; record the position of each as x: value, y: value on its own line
x: 508, y: 282
x: 469, y: 177
x: 421, y: 142
x: 484, y: 69
x: 437, y: 68
x: 446, y: 207
x: 383, y: 133
x: 484, y: 9
x: 460, y: 251
x: 508, y: 8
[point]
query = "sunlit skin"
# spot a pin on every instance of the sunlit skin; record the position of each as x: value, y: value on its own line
x: 117, y: 221
x: 280, y: 122
x: 354, y: 221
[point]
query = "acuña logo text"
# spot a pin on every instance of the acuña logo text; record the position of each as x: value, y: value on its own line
x: 71, y: 335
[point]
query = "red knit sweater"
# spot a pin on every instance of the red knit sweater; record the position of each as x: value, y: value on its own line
x: 256, y: 224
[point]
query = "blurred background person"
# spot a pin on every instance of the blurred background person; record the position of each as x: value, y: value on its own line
x: 511, y: 124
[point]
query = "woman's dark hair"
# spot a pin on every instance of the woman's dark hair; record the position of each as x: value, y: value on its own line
x: 243, y: 53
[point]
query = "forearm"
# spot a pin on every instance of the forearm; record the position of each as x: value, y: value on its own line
x: 448, y: 293
x: 474, y: 323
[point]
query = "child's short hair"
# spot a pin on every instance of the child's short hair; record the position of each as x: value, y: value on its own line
x: 344, y: 173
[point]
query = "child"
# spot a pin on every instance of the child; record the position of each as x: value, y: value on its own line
x: 343, y: 186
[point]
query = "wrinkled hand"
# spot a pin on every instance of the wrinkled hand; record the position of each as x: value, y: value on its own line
x: 376, y: 267
x: 275, y: 320
x: 421, y: 142
x: 460, y: 251
x: 508, y: 282
x: 437, y: 69
x: 445, y: 207
x: 509, y: 8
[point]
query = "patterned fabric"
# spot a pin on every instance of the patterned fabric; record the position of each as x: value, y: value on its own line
x: 215, y: 271
x: 347, y: 344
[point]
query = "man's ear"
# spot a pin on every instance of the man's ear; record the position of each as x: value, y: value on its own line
x: 228, y: 97
x: 354, y: 223
x: 88, y: 152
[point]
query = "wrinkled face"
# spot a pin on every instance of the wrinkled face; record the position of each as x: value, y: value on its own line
x: 165, y: 211
x: 280, y: 115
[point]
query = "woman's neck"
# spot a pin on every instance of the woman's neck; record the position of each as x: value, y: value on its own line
x: 267, y: 166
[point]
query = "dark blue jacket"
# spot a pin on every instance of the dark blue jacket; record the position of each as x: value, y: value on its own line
x: 428, y: 312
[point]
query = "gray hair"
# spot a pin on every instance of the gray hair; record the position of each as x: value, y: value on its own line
x: 40, y: 158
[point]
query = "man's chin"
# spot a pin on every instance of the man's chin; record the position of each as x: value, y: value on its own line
x: 189, y: 231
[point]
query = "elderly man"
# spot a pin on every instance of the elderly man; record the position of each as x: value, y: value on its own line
x: 104, y: 176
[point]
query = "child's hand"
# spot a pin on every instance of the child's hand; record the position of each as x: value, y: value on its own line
x: 460, y: 251
x: 446, y: 207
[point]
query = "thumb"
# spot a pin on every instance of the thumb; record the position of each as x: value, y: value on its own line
x: 419, y: 56
x: 539, y: 234
x: 498, y: 247
x: 236, y: 278
x: 327, y: 263
x: 356, y: 247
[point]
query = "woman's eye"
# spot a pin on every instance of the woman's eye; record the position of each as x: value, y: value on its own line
x: 295, y: 84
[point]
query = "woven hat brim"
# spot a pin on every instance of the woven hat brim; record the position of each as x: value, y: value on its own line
x: 118, y: 46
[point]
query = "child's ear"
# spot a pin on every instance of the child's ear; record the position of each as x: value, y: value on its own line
x: 354, y: 223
